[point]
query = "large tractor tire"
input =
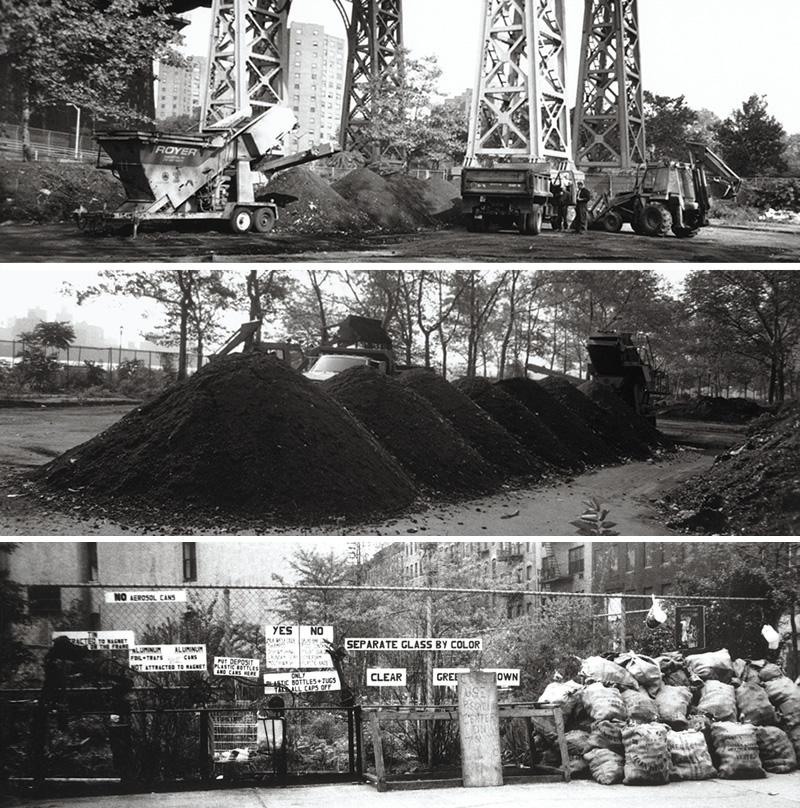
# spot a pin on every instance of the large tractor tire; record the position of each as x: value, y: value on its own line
x: 611, y: 222
x: 242, y: 220
x: 264, y: 220
x: 530, y: 224
x: 655, y: 220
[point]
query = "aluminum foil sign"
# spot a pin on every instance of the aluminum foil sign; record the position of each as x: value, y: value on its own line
x: 99, y: 640
x: 301, y: 682
x: 168, y: 658
x: 298, y: 647
x: 237, y: 666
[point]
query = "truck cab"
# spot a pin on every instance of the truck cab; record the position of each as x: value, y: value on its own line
x: 329, y: 364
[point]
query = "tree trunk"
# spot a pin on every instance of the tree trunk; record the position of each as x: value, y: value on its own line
x: 25, y: 120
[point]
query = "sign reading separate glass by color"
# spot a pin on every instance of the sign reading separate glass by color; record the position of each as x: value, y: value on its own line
x: 412, y: 644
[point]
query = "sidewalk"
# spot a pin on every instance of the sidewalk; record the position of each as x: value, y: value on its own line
x: 776, y: 791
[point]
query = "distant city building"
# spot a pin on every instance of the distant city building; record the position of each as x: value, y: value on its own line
x: 179, y: 88
x: 463, y: 101
x: 316, y: 79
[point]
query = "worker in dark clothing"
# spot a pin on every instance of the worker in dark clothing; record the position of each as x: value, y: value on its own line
x: 582, y: 208
x: 556, y: 191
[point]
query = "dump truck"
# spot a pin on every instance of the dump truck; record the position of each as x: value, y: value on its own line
x: 209, y: 177
x: 617, y: 363
x: 669, y: 195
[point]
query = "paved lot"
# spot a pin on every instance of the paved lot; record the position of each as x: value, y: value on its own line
x: 776, y: 791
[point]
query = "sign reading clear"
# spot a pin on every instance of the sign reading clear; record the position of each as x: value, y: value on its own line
x: 174, y: 596
x: 412, y: 644
x: 236, y: 666
x: 305, y: 682
x: 386, y: 677
x: 99, y: 640
x: 168, y: 658
x: 298, y: 646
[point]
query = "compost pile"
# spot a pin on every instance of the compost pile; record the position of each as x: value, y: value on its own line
x: 753, y: 489
x: 610, y: 427
x: 636, y: 720
x: 606, y: 399
x: 531, y: 431
x: 318, y: 208
x: 492, y: 441
x: 435, y: 198
x: 585, y: 448
x: 246, y: 435
x: 421, y: 440
x: 715, y: 408
x: 390, y: 205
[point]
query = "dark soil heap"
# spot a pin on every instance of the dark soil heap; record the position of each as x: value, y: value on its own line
x: 391, y: 206
x: 715, y: 408
x: 617, y: 432
x: 602, y: 396
x: 493, y: 442
x: 531, y: 431
x: 318, y: 209
x: 424, y: 444
x: 433, y: 199
x: 247, y: 435
x: 570, y: 429
x: 752, y: 490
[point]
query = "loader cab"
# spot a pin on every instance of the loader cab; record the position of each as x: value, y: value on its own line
x: 328, y: 365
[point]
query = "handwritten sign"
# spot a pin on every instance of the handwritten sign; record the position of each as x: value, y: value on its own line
x: 298, y: 646
x: 167, y: 658
x: 236, y: 666
x: 99, y: 640
x: 479, y: 730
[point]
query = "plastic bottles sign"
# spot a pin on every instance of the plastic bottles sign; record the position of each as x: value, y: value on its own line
x: 237, y: 666
x: 301, y: 682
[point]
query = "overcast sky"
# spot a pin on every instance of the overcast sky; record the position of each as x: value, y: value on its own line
x: 715, y: 52
x: 24, y: 289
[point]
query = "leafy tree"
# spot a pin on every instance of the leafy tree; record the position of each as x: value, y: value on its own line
x: 83, y: 52
x: 752, y: 141
x: 668, y: 123
x: 38, y: 365
x: 704, y: 129
x: 792, y: 155
x: 759, y: 313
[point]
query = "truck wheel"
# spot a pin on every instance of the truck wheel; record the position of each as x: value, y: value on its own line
x: 241, y: 220
x: 611, y: 222
x: 530, y: 224
x: 655, y: 220
x: 264, y: 220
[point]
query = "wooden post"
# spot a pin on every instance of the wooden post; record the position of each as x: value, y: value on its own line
x: 377, y: 745
x: 479, y: 727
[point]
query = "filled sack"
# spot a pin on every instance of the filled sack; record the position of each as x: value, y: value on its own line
x: 737, y: 749
x: 769, y: 671
x: 576, y: 747
x: 565, y: 694
x: 784, y: 694
x: 640, y: 707
x: 718, y: 700
x: 689, y: 756
x: 605, y: 766
x: 597, y: 669
x: 645, y: 670
x: 647, y: 758
x: 712, y: 665
x: 603, y: 703
x: 672, y: 704
x: 754, y: 705
x: 745, y: 671
x: 775, y: 750
x: 606, y: 735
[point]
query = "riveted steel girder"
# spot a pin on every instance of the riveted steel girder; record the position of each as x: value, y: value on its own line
x: 247, y: 60
x: 519, y: 108
x: 375, y: 38
x: 609, y: 116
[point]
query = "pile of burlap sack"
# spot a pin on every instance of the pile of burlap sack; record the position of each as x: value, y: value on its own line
x: 643, y: 721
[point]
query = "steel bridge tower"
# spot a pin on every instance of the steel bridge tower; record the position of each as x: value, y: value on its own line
x: 519, y: 107
x: 609, y: 116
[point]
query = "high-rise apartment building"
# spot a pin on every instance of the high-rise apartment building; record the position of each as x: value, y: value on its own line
x: 179, y: 88
x: 317, y: 68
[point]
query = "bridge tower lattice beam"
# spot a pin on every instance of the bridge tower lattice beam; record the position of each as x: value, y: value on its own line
x: 247, y: 60
x: 609, y: 127
x: 519, y: 106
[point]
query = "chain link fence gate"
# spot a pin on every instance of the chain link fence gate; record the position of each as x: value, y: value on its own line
x: 89, y: 715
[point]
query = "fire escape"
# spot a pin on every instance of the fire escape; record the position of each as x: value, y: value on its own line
x: 552, y: 570
x: 609, y: 117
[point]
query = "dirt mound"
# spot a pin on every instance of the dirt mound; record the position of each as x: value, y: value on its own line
x: 318, y: 209
x: 751, y: 490
x: 244, y: 435
x: 605, y: 398
x: 391, y: 205
x: 493, y: 442
x: 529, y: 429
x: 423, y: 443
x: 715, y: 408
x: 616, y: 431
x: 579, y: 440
x: 434, y: 199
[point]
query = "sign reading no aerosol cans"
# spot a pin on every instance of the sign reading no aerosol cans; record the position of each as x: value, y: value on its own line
x: 138, y: 596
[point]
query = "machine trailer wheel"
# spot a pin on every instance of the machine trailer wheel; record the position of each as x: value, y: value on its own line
x: 655, y: 220
x: 684, y: 232
x: 611, y: 222
x: 264, y: 220
x: 242, y: 220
